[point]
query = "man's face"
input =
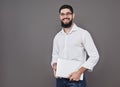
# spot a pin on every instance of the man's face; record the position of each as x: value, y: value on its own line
x: 66, y: 17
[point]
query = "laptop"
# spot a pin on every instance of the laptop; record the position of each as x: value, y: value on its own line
x: 66, y: 67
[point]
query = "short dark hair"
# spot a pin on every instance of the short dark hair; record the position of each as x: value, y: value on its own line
x: 66, y: 6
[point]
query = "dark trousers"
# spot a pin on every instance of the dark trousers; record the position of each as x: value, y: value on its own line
x: 63, y: 82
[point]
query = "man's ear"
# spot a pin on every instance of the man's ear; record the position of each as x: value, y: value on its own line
x: 73, y: 15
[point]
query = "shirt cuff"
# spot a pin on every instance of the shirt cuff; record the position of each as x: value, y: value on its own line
x: 90, y: 69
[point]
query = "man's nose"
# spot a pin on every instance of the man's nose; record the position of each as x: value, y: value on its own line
x: 65, y: 16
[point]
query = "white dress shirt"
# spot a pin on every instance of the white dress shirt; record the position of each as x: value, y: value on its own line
x: 74, y: 45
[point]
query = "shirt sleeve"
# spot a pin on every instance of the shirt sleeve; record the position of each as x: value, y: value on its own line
x: 91, y: 51
x: 54, y: 52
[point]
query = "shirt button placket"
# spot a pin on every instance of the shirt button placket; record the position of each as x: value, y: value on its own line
x: 65, y: 46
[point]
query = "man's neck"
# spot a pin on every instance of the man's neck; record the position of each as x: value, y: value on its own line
x: 67, y: 30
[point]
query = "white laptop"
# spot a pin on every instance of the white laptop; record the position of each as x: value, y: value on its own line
x: 66, y: 67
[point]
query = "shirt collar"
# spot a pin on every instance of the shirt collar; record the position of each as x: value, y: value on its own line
x: 74, y: 28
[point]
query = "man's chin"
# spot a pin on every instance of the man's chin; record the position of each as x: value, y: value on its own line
x: 65, y: 23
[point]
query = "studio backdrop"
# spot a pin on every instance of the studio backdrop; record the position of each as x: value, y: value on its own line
x: 27, y: 29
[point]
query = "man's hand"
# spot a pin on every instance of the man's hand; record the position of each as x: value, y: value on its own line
x: 75, y: 76
x: 54, y: 69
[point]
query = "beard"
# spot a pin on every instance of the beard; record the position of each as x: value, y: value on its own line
x: 68, y: 25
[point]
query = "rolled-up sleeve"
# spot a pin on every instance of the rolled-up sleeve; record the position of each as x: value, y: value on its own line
x: 54, y: 52
x: 91, y: 51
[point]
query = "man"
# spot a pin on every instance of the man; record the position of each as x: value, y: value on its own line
x: 73, y: 42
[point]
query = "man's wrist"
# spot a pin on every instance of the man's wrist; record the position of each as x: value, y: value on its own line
x: 82, y: 70
x: 54, y: 66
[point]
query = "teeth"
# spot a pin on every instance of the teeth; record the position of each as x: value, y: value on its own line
x: 66, y: 19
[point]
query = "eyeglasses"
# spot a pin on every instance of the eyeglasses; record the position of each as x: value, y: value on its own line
x: 67, y: 14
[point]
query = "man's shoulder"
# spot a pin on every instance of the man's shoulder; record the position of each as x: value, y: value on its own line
x: 81, y: 30
x: 57, y: 35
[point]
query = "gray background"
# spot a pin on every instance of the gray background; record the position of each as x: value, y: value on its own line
x: 27, y: 28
